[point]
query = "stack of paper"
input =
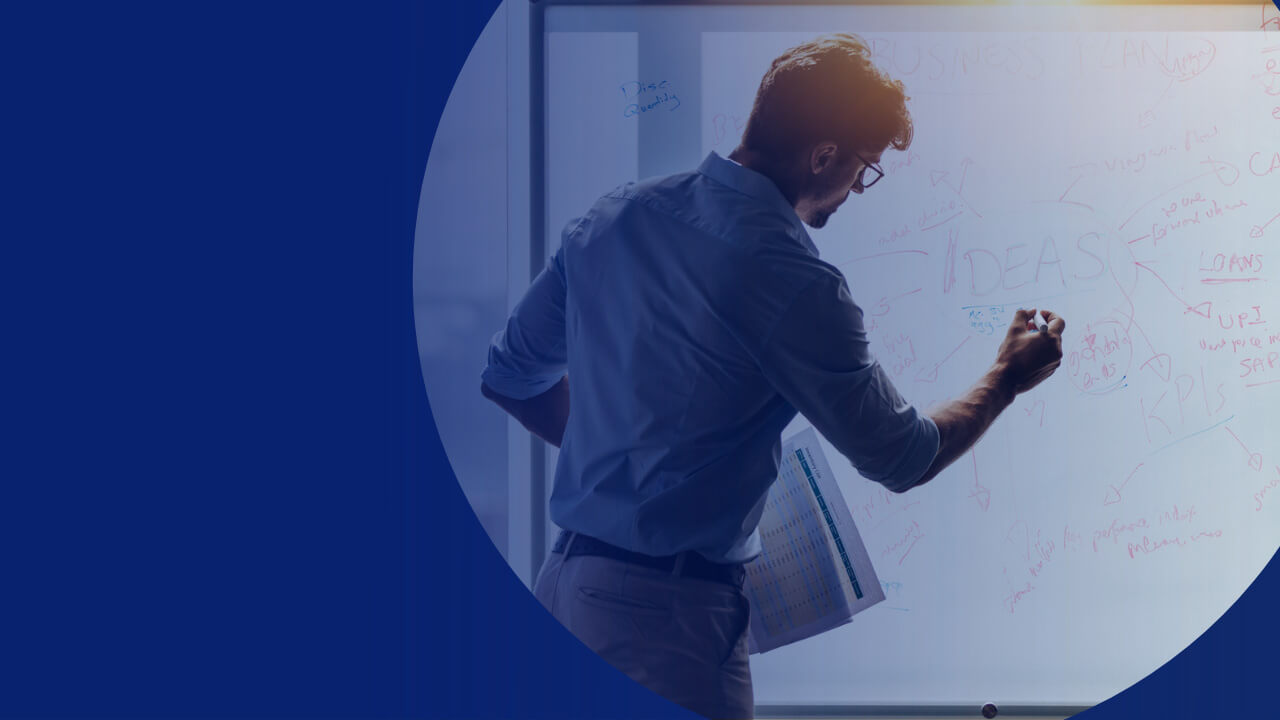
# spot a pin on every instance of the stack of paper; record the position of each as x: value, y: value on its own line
x: 814, y: 573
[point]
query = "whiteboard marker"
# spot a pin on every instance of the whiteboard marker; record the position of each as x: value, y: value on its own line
x: 1041, y: 324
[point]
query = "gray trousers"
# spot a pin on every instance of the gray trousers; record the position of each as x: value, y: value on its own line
x: 683, y: 638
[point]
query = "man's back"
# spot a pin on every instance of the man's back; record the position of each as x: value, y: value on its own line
x: 690, y: 306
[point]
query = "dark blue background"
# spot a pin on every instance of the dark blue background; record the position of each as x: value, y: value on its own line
x: 222, y: 492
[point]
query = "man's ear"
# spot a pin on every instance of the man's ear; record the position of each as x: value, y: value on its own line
x: 822, y: 157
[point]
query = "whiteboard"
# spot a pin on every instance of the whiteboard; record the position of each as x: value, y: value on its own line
x: 1120, y: 166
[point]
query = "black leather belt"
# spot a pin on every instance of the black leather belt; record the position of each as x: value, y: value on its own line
x: 695, y: 566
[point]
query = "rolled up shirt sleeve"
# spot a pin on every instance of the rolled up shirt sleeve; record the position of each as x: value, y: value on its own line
x: 530, y: 355
x: 818, y: 358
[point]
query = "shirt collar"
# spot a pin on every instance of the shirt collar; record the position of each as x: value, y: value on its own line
x: 757, y: 186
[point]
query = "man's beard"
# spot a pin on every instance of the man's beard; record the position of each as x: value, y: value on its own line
x: 820, y: 218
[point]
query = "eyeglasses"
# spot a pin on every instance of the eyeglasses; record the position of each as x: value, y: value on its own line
x: 858, y: 185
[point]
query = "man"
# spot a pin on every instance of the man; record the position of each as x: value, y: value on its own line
x: 695, y: 319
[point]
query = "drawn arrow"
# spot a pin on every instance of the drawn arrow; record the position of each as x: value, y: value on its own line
x: 1113, y: 493
x: 1031, y: 410
x: 980, y: 492
x: 1161, y: 365
x: 1189, y: 308
x: 1255, y: 459
x: 1203, y: 309
x: 931, y: 374
x: 1256, y: 231
x: 1063, y: 197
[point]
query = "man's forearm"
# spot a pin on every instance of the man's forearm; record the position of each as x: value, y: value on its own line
x: 543, y: 415
x: 962, y: 421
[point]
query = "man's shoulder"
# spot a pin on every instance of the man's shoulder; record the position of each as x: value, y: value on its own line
x: 700, y: 203
x: 661, y: 192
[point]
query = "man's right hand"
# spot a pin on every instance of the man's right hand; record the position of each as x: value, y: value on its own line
x: 1027, y: 356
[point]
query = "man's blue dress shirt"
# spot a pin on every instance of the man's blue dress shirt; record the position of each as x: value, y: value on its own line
x: 694, y: 319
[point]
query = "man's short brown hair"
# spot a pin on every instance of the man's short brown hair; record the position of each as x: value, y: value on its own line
x: 827, y: 89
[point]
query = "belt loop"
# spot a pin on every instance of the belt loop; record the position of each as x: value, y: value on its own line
x: 568, y: 545
x: 679, y: 566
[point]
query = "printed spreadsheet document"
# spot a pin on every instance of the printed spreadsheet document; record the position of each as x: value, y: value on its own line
x: 814, y: 573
